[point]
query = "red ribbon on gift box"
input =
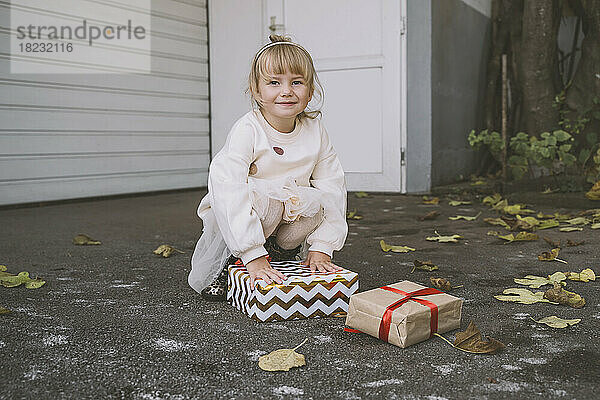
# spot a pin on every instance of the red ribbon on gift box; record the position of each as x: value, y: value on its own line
x: 386, y: 320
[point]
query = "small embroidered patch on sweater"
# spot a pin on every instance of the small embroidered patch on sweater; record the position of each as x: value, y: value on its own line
x: 278, y: 150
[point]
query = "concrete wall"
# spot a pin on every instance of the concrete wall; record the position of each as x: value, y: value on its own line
x: 459, y: 41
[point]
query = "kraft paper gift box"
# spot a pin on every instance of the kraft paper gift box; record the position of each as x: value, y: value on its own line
x: 304, y: 294
x: 404, y: 313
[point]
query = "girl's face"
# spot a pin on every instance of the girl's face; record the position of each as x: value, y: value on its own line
x: 282, y: 97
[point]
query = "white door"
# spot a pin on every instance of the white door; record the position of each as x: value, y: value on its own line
x: 356, y: 46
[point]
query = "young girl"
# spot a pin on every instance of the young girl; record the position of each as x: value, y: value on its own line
x: 276, y: 188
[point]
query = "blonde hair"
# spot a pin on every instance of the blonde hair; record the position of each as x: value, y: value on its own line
x: 278, y: 59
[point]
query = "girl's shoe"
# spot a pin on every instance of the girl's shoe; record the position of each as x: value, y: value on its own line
x: 278, y: 253
x: 217, y: 290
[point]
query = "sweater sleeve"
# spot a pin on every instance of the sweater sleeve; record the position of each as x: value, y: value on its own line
x: 230, y: 197
x: 328, y: 176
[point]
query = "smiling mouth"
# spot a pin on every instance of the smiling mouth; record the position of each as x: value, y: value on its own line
x: 286, y: 104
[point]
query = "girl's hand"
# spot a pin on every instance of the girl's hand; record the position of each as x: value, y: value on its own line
x: 321, y: 262
x: 260, y: 268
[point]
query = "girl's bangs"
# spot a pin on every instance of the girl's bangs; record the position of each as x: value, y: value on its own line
x: 285, y: 58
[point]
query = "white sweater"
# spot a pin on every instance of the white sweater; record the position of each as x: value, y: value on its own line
x: 308, y: 157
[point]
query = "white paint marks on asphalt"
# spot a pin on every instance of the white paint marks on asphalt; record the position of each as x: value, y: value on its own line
x: 521, y: 316
x: 348, y: 395
x: 120, y: 284
x: 383, y: 382
x: 558, y: 392
x: 158, y: 395
x: 445, y: 369
x: 435, y: 398
x: 2, y: 344
x: 169, y: 345
x: 534, y: 361
x: 354, y: 233
x: 511, y: 367
x: 540, y: 335
x: 323, y: 339
x: 288, y: 390
x: 55, y: 340
x: 64, y: 278
x: 506, y: 386
x: 254, y: 355
x: 33, y: 373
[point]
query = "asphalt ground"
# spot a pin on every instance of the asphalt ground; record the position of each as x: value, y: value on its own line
x: 117, y: 321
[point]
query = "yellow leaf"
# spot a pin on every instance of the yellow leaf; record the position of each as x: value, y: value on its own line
x: 517, y: 209
x: 396, y: 249
x: 492, y: 233
x: 465, y: 217
x: 22, y: 278
x: 166, y: 250
x: 360, y: 195
x: 562, y: 296
x: 85, y: 240
x: 4, y: 310
x: 522, y: 296
x: 424, y: 266
x: 570, y: 229
x: 529, y: 220
x: 521, y: 236
x: 595, y: 226
x: 584, y: 276
x: 554, y: 322
x: 551, y: 255
x: 497, y: 221
x: 562, y: 217
x: 478, y: 183
x: 444, y: 239
x: 455, y: 203
x: 493, y: 199
x: 500, y: 205
x: 353, y: 215
x: 548, y: 223
x: 535, y: 282
x: 282, y: 359
x: 578, y: 221
x: 431, y: 200
x: 594, y: 193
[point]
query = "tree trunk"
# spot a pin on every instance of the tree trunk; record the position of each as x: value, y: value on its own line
x: 538, y: 65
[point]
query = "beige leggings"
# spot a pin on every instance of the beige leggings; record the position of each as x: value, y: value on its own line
x: 288, y: 235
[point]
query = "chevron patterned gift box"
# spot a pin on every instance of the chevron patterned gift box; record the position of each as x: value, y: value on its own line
x: 303, y: 294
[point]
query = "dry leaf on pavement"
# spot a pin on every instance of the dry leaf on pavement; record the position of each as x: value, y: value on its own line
x: 497, y: 221
x: 431, y: 200
x: 4, y: 310
x: 517, y: 209
x: 456, y: 203
x: 85, y: 240
x: 396, y: 249
x: 570, y: 229
x: 551, y: 255
x: 465, y: 217
x: 535, y: 282
x: 595, y: 226
x: 519, y: 237
x: 522, y: 296
x: 547, y: 224
x: 353, y: 215
x: 166, y: 250
x: 444, y: 239
x: 561, y: 296
x: 492, y: 200
x: 22, y: 278
x: 578, y: 221
x: 429, y: 216
x: 424, y: 266
x: 571, y: 243
x: 471, y: 341
x: 552, y: 243
x: 442, y: 284
x: 594, y: 192
x: 282, y: 359
x: 584, y: 276
x: 554, y: 322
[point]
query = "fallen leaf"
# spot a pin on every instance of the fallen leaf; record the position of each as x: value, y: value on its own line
x: 424, y: 266
x: 497, y: 221
x: 431, y: 200
x: 541, y: 215
x: 554, y: 322
x: 492, y: 233
x: 522, y: 296
x: 559, y: 295
x: 456, y: 203
x: 551, y: 255
x: 519, y: 237
x: 549, y: 190
x: 594, y: 192
x: 360, y: 195
x: 22, y: 278
x: 429, y: 216
x: 444, y: 239
x: 472, y: 341
x: 584, y: 276
x: 492, y: 380
x: 535, y: 282
x: 547, y: 224
x: 166, y: 250
x: 571, y: 243
x: 578, y: 221
x: 562, y: 217
x: 499, y: 206
x: 83, y: 240
x: 570, y: 229
x: 552, y: 243
x: 441, y: 283
x: 465, y: 217
x: 282, y: 359
x: 595, y: 226
x: 4, y: 310
x: 492, y: 200
x: 353, y: 215
x: 517, y: 209
x: 396, y: 249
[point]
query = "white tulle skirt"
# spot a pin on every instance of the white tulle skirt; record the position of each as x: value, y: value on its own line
x: 211, y: 251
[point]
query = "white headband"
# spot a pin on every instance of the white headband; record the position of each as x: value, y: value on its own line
x: 275, y: 44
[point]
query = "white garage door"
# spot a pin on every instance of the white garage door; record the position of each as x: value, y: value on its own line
x: 95, y: 133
